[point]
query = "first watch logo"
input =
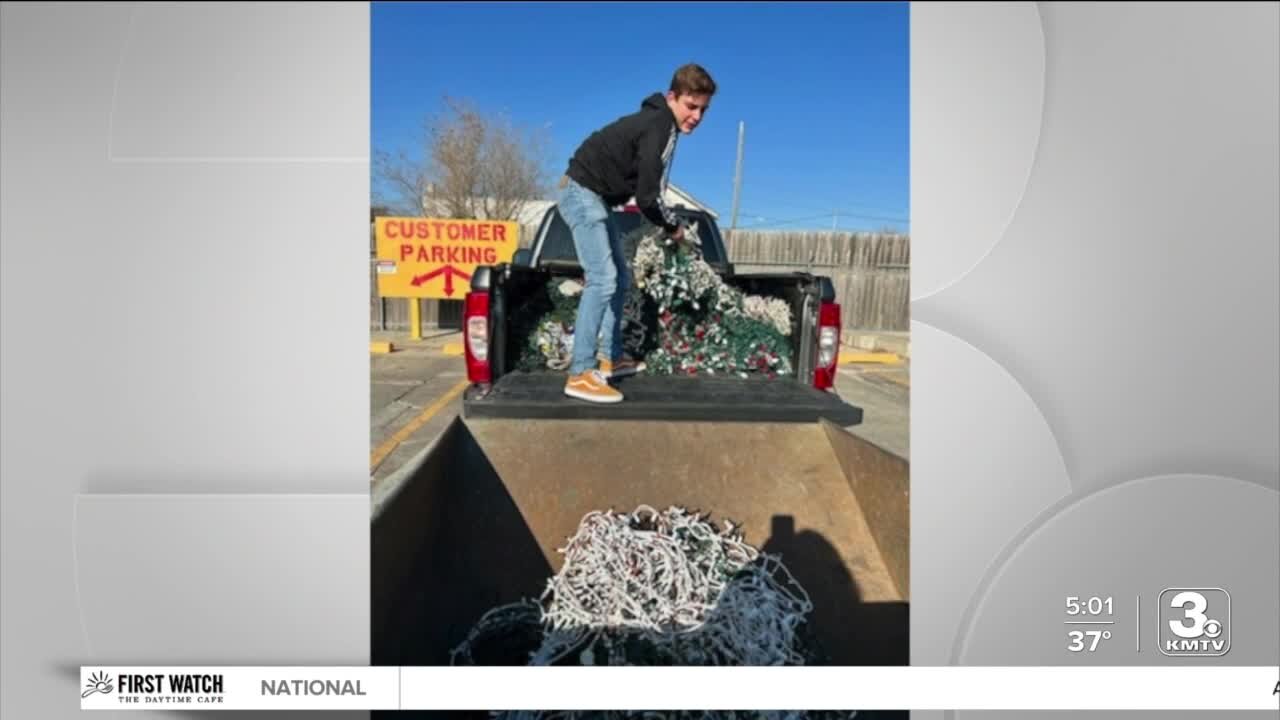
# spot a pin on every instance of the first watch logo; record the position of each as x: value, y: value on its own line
x: 156, y: 688
x: 99, y: 682
x: 1195, y: 622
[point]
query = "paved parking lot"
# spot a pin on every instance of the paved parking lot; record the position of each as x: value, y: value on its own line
x: 416, y: 391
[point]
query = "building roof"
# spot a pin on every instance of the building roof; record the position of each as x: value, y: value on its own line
x: 678, y: 196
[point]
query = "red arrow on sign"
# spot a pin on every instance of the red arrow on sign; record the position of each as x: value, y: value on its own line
x: 448, y: 271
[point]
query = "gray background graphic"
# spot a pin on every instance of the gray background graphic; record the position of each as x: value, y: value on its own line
x: 183, y: 475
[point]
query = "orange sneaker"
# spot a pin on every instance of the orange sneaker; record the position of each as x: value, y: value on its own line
x: 592, y: 387
x: 620, y: 368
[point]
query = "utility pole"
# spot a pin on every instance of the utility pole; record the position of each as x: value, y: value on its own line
x: 737, y: 175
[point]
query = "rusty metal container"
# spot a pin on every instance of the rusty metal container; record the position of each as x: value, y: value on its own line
x: 477, y: 521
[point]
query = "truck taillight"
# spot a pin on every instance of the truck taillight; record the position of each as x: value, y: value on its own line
x: 824, y: 375
x: 475, y: 323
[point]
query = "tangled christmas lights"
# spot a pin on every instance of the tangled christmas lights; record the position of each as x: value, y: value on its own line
x: 652, y: 588
x: 680, y: 316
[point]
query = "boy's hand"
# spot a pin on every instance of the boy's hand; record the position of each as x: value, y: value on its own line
x: 685, y: 237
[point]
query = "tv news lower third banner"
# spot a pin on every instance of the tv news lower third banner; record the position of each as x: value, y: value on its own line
x: 680, y: 688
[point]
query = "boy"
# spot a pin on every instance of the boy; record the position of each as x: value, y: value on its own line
x: 630, y: 157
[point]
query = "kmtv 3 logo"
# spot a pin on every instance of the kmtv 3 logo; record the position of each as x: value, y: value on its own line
x: 1195, y: 622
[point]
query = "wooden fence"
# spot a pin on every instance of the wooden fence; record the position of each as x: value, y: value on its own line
x: 870, y: 271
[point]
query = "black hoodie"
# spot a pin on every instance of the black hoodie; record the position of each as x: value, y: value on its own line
x: 631, y: 157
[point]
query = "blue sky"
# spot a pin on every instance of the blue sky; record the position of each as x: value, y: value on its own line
x: 823, y: 89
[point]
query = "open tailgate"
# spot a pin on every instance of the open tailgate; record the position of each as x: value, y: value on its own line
x: 674, y: 398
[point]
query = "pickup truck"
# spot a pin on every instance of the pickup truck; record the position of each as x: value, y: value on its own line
x: 492, y: 349
x: 478, y: 518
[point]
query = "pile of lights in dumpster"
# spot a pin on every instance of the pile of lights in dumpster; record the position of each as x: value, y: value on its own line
x: 653, y: 588
x: 680, y: 316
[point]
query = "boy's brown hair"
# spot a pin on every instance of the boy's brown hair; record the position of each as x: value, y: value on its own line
x: 692, y: 79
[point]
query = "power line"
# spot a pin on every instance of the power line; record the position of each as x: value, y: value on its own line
x: 828, y: 214
x: 858, y: 212
x: 864, y: 216
x: 768, y: 222
x: 764, y: 221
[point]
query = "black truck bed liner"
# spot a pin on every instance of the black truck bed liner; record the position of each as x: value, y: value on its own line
x: 673, y: 398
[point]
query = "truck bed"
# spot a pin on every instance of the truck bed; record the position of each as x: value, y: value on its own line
x: 676, y: 398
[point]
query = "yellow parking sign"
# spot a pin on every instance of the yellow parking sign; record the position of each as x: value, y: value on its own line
x: 436, y: 257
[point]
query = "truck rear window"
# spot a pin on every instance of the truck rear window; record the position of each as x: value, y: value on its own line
x: 558, y: 245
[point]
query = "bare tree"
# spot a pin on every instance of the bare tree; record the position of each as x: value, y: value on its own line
x: 472, y: 165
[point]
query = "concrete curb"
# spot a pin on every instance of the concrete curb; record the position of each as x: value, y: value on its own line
x: 898, y: 343
x: 848, y: 357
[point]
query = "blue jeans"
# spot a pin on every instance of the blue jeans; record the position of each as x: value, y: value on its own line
x: 608, y: 278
